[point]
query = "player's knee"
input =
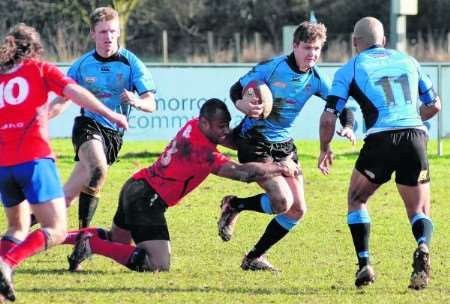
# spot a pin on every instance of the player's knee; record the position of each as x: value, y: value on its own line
x: 97, y: 176
x: 55, y: 235
x: 297, y: 212
x: 281, y: 204
x: 141, y: 261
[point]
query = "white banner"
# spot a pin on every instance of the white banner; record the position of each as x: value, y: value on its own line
x: 182, y: 89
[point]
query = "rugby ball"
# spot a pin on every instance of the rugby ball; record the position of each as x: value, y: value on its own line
x: 260, y: 90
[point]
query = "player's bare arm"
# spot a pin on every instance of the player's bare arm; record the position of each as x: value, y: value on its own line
x: 327, y: 127
x: 251, y: 172
x: 145, y: 102
x: 86, y: 99
x: 428, y: 111
x: 57, y: 106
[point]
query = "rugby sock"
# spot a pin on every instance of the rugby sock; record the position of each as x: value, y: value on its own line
x: 252, y: 203
x: 86, y: 209
x: 35, y: 242
x: 422, y: 228
x: 7, y: 243
x: 71, y: 236
x: 359, y: 223
x: 278, y: 227
x: 119, y: 252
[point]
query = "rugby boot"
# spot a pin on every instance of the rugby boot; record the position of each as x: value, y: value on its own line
x: 228, y: 218
x: 81, y: 251
x: 257, y: 264
x: 420, y: 275
x: 364, y: 276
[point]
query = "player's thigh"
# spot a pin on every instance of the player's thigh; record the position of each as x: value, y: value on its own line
x: 359, y: 191
x: 18, y: 220
x: 92, y: 154
x: 416, y: 198
x: 412, y: 168
x: 376, y: 160
x: 52, y: 216
x: 159, y: 252
x: 120, y: 235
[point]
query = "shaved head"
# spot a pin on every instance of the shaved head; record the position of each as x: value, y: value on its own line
x: 368, y: 32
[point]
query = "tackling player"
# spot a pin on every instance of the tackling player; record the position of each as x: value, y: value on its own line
x: 27, y: 165
x: 386, y: 84
x: 293, y: 79
x: 188, y: 159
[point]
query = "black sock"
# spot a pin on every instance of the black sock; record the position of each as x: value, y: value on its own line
x: 248, y: 203
x: 360, y: 234
x: 422, y: 230
x: 274, y: 232
x: 86, y: 209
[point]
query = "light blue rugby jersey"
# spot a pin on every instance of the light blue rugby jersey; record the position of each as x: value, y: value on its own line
x: 291, y: 89
x: 106, y: 78
x: 386, y: 84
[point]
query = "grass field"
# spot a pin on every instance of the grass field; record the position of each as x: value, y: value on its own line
x: 317, y: 259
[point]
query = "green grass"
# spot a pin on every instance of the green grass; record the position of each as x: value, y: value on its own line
x: 317, y: 259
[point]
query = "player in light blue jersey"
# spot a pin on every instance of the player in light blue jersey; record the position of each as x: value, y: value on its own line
x: 121, y: 81
x: 292, y: 79
x: 387, y: 85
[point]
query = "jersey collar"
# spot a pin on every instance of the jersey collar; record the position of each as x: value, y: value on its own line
x: 293, y: 64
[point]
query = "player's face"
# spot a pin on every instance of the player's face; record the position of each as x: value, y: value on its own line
x: 106, y: 36
x: 307, y: 53
x: 217, y: 130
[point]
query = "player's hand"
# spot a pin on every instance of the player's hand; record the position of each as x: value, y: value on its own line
x: 250, y: 106
x: 347, y: 133
x: 290, y: 168
x: 120, y: 120
x: 130, y: 98
x: 325, y: 161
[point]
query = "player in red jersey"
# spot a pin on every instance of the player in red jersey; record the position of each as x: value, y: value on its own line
x: 189, y: 158
x: 29, y: 179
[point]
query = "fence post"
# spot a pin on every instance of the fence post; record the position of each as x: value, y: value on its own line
x: 448, y: 42
x: 237, y: 47
x: 165, y: 49
x: 258, y: 46
x: 210, y: 38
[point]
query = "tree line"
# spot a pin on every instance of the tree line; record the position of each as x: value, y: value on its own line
x: 64, y: 25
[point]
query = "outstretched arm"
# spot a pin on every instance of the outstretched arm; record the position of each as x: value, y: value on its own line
x: 86, y: 99
x: 57, y: 106
x: 251, y: 172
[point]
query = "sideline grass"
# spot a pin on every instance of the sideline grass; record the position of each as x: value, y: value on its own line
x: 317, y: 259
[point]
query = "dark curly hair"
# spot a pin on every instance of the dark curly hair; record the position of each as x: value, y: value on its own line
x: 21, y: 42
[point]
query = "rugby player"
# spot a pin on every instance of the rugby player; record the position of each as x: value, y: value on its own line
x: 29, y: 180
x: 113, y: 74
x: 293, y: 79
x: 386, y: 84
x: 188, y: 159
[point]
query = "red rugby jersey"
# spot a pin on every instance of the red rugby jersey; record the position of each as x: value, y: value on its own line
x: 184, y: 164
x: 23, y: 110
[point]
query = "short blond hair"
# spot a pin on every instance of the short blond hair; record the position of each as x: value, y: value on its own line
x: 310, y: 31
x: 102, y: 14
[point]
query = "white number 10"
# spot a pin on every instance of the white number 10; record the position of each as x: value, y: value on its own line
x: 7, y: 91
